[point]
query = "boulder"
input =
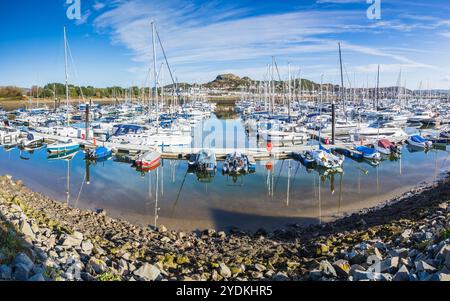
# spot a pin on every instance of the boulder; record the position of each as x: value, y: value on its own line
x: 224, y: 271
x: 422, y: 266
x: 447, y: 260
x: 87, y: 247
x: 37, y: 277
x: 402, y: 274
x: 259, y: 267
x: 342, y: 268
x: 96, y: 266
x: 26, y: 230
x: 389, y: 265
x: 148, y: 272
x: 5, y: 272
x: 327, y: 269
x: 24, y: 260
x: 72, y: 241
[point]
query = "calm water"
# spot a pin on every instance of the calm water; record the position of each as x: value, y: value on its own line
x: 279, y: 193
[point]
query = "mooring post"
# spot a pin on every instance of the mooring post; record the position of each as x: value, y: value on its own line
x: 87, y: 122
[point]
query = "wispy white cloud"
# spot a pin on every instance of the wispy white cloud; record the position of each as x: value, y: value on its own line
x: 202, y: 41
x: 98, y: 5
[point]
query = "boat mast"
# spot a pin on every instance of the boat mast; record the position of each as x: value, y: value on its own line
x: 378, y: 88
x: 290, y: 93
x: 155, y: 76
x: 66, y: 76
x: 342, y: 81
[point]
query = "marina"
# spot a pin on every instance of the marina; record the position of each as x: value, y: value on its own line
x: 235, y: 141
x: 280, y: 189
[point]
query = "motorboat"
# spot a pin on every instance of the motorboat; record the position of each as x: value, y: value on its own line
x: 386, y: 147
x: 148, y: 159
x: 63, y: 147
x: 419, y: 142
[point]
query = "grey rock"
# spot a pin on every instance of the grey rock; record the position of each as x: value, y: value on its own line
x: 362, y: 275
x: 72, y: 241
x: 96, y: 266
x: 259, y: 267
x: 37, y: 277
x: 327, y: 269
x: 368, y: 275
x: 87, y: 247
x: 148, y: 272
x: 280, y: 276
x: 422, y: 266
x: 224, y: 271
x: 442, y: 252
x: 5, y: 272
x: 424, y: 276
x: 315, y: 275
x: 402, y: 274
x: 24, y: 260
x: 402, y: 253
x: 78, y: 235
x: 221, y: 234
x: 87, y: 277
x: 257, y: 275
x: 354, y: 268
x: 21, y: 272
x: 355, y: 257
x: 406, y: 234
x: 447, y: 260
x: 26, y: 230
x: 98, y: 250
x: 342, y: 268
x: 389, y: 265
x: 16, y: 208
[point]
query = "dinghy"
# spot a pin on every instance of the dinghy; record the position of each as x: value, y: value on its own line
x: 327, y: 159
x: 306, y: 157
x: 235, y: 163
x: 206, y: 161
x: 63, y: 147
x: 63, y: 155
x: 251, y: 163
x: 32, y: 142
x: 192, y: 163
x: 386, y: 147
x: 369, y: 153
x: 148, y: 160
x: 419, y: 142
x: 101, y: 152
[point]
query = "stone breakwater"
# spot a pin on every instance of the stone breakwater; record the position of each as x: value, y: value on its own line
x: 407, y: 238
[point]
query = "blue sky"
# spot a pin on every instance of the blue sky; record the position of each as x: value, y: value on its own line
x: 111, y: 43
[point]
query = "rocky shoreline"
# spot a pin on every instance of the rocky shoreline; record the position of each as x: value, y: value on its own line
x: 407, y: 238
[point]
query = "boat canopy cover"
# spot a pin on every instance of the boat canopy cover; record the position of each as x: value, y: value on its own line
x: 366, y: 150
x: 124, y: 129
x: 417, y: 138
x: 385, y: 143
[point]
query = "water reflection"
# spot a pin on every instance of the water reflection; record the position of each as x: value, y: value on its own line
x: 278, y: 193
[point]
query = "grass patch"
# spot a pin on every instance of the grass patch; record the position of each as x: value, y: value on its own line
x: 108, y: 277
x: 10, y: 243
x: 445, y: 234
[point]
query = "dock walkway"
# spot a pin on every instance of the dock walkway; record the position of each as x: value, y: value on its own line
x: 260, y: 153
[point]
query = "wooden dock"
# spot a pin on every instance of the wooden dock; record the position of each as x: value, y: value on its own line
x: 182, y: 153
